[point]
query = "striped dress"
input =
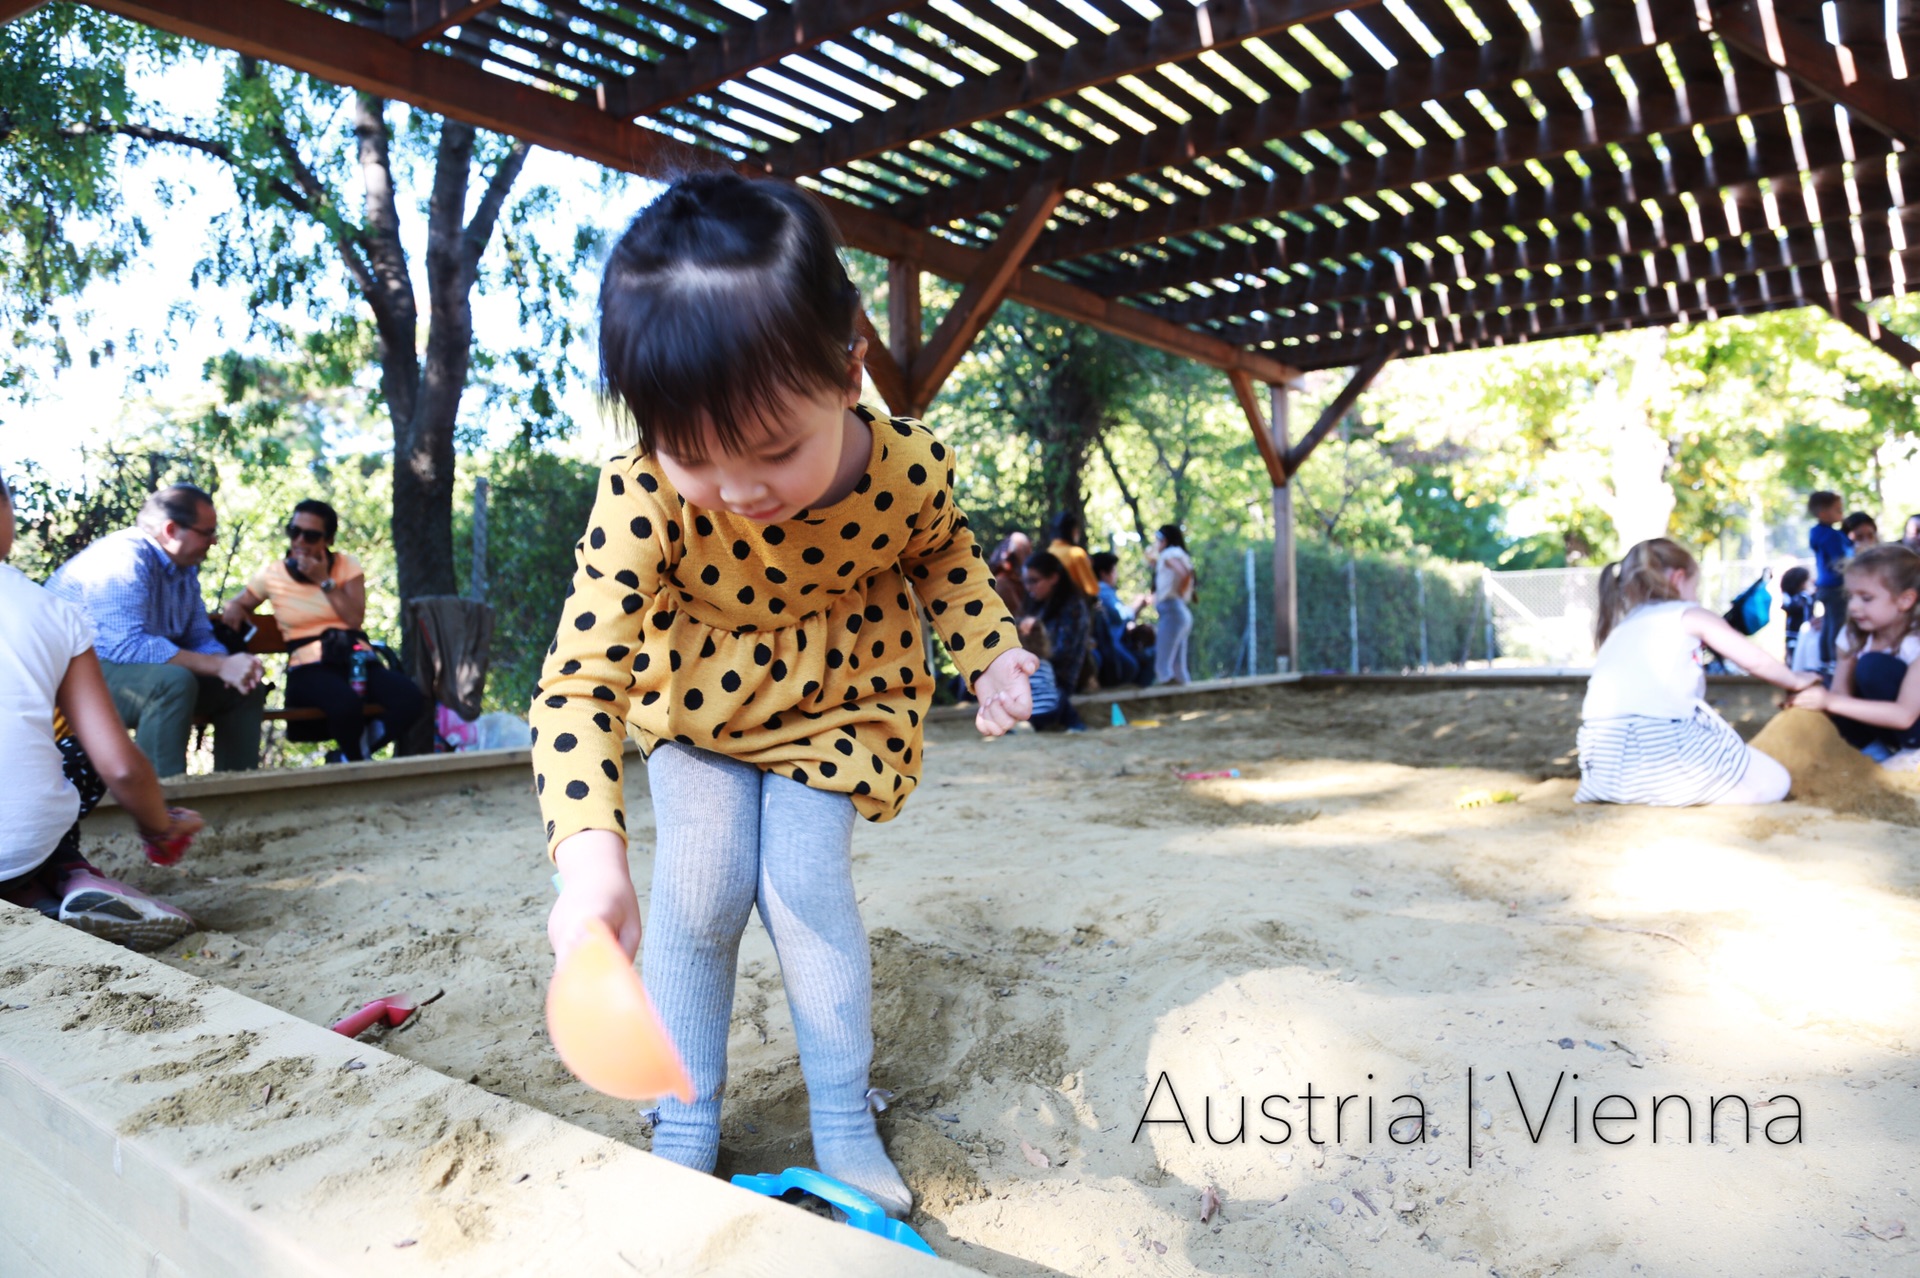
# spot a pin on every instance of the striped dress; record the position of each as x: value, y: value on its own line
x: 1647, y: 734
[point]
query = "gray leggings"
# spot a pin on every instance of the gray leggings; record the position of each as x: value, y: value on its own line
x: 732, y: 837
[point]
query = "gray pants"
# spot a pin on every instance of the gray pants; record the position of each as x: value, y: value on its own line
x: 1170, y: 641
x: 160, y: 702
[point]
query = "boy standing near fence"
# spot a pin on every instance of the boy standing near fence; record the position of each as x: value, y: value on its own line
x: 1830, y: 549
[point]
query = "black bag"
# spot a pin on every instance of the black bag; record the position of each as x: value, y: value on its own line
x: 338, y: 645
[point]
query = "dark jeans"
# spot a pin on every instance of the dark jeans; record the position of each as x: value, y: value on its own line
x: 325, y: 688
x: 1833, y: 607
x: 1877, y: 676
x: 38, y: 888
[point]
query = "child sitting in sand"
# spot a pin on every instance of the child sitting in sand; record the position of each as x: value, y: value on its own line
x: 746, y: 601
x: 1875, y: 697
x: 47, y: 663
x: 1647, y: 734
x: 1796, y: 605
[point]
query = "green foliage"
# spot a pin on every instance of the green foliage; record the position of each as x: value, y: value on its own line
x: 536, y: 511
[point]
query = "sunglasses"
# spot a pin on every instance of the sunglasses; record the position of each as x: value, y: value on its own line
x: 312, y: 536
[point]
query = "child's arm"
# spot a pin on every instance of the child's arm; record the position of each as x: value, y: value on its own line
x: 579, y: 714
x: 1714, y: 632
x: 950, y: 574
x: 88, y: 706
x: 1899, y: 714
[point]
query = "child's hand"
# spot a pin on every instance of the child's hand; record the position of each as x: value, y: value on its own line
x: 1006, y: 698
x: 594, y: 884
x: 1811, y: 698
x: 1804, y: 679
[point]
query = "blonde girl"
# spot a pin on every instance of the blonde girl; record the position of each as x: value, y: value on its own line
x: 1647, y: 734
x: 1875, y: 697
x: 747, y: 602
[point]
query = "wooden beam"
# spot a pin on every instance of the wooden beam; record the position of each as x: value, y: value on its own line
x: 903, y: 309
x: 1182, y: 32
x: 1342, y: 403
x: 1710, y: 97
x: 711, y: 62
x: 1872, y: 236
x: 1262, y: 435
x: 1773, y: 154
x: 1699, y: 300
x: 417, y: 21
x: 883, y: 370
x: 1885, y: 339
x: 1659, y: 224
x: 1364, y: 96
x: 340, y: 52
x: 1766, y: 32
x: 11, y: 9
x: 981, y: 296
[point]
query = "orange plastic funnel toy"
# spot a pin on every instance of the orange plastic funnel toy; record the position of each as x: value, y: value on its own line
x: 605, y: 1027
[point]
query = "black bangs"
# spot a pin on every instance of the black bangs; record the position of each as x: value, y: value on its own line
x: 724, y: 297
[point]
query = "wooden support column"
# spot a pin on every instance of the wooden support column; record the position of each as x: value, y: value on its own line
x: 981, y: 296
x: 903, y: 309
x: 1872, y: 330
x: 1286, y: 577
x: 883, y: 370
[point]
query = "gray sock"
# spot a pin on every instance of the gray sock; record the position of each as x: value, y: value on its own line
x: 808, y: 905
x: 707, y: 818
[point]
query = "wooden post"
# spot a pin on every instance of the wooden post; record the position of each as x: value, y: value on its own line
x: 477, y: 585
x: 1286, y: 598
x: 903, y: 310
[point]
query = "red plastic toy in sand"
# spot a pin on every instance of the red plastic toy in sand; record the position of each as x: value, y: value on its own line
x: 170, y: 852
x: 605, y: 1027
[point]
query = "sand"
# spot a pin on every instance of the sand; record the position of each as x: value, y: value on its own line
x: 1063, y: 931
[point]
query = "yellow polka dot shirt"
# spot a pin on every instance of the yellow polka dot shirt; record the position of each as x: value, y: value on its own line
x: 793, y: 646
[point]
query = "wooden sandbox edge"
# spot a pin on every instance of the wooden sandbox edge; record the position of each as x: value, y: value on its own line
x: 166, y: 1126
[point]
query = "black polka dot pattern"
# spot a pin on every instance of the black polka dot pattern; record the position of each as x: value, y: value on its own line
x: 701, y: 627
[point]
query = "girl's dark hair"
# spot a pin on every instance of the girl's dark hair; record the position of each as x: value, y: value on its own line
x: 1068, y: 528
x: 1858, y: 519
x: 1894, y: 567
x: 1104, y: 562
x: 328, y: 516
x: 1173, y: 535
x: 1794, y: 580
x: 725, y: 295
x: 1047, y: 565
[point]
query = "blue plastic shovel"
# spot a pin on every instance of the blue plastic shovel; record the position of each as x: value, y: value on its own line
x: 862, y: 1212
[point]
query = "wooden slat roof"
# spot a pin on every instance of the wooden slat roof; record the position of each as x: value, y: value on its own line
x: 1267, y: 185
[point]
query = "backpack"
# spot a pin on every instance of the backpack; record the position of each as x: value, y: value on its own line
x: 1750, y: 608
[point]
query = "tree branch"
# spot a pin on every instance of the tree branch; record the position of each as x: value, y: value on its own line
x: 480, y: 230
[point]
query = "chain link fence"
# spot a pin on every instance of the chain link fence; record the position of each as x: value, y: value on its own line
x: 1544, y: 616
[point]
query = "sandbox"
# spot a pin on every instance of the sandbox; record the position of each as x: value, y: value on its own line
x: 1397, y: 901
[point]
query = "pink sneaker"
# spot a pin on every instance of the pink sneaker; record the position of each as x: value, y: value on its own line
x: 113, y: 911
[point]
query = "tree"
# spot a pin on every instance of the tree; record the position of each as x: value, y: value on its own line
x: 294, y: 148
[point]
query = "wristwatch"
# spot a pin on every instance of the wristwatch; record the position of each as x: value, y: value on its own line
x: 326, y: 587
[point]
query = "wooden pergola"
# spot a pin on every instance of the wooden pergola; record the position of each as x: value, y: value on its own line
x: 1268, y: 187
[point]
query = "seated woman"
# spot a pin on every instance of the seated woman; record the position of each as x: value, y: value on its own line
x: 1063, y: 610
x: 1875, y: 698
x: 319, y: 597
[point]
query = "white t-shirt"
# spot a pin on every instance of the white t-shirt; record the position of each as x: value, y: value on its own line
x: 1173, y: 564
x: 1649, y: 666
x: 1908, y: 651
x: 39, y: 637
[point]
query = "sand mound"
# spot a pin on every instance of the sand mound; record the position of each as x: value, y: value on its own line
x: 1829, y: 772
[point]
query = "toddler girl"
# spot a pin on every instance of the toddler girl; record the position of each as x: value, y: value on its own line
x: 746, y: 600
x: 1875, y: 698
x: 1646, y: 734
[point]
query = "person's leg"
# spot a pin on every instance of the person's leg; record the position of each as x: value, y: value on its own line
x: 1766, y: 781
x: 1176, y: 623
x: 808, y: 905
x: 157, y: 702
x: 399, y: 700
x: 706, y: 866
x: 1877, y: 676
x: 1833, y: 609
x: 324, y: 688
x: 236, y: 719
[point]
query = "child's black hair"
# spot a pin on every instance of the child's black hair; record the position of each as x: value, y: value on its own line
x: 725, y: 295
x: 1858, y: 519
x: 1794, y: 580
x: 1820, y: 501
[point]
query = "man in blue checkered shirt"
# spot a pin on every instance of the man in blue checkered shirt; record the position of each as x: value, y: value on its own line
x: 141, y: 587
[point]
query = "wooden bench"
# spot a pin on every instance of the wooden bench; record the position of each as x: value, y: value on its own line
x: 267, y: 641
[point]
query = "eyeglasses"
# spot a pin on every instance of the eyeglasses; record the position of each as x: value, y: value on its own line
x: 211, y: 534
x: 312, y: 536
